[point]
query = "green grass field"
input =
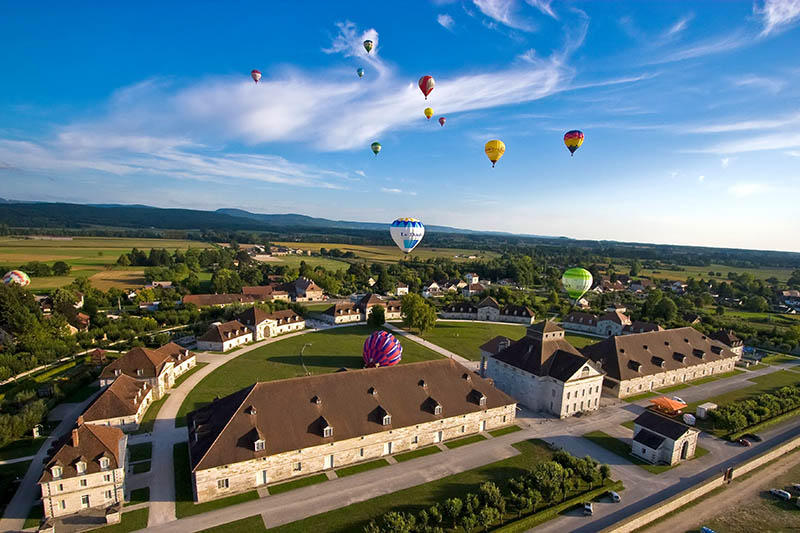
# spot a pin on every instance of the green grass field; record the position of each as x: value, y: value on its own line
x: 131, y: 521
x: 149, y: 418
x: 140, y: 452
x: 504, y: 431
x: 458, y: 443
x: 188, y: 373
x: 362, y: 467
x: 762, y: 384
x: 697, y: 272
x: 327, y: 351
x: 297, y: 483
x: 392, y: 254
x: 419, y: 452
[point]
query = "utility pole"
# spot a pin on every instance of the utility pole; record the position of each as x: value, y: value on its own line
x: 301, y: 358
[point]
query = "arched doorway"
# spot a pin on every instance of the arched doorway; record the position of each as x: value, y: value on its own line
x: 685, y: 449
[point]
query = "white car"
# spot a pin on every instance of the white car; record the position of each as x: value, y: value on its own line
x: 678, y: 399
x: 614, y: 496
x: 796, y: 486
x: 587, y: 509
x: 780, y: 493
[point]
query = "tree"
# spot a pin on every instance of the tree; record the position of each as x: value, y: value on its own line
x: 377, y: 316
x: 468, y: 522
x: 666, y: 310
x: 60, y: 268
x: 535, y: 498
x: 757, y: 304
x: 417, y: 313
x: 553, y: 297
x: 487, y: 517
x: 435, y: 512
x: 719, y: 311
x: 605, y: 472
x: 394, y: 522
x: 452, y: 508
x: 226, y: 281
x: 636, y: 267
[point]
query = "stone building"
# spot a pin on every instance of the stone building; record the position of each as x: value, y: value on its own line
x: 660, y: 439
x: 123, y: 404
x: 391, y: 308
x: 278, y: 430
x: 225, y: 336
x: 489, y: 310
x: 647, y: 361
x: 345, y: 313
x: 264, y: 325
x: 729, y: 339
x: 305, y: 290
x: 544, y: 372
x: 158, y: 368
x: 267, y: 292
x: 613, y: 322
x: 86, y: 471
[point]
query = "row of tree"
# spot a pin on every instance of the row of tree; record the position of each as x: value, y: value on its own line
x: 742, y: 414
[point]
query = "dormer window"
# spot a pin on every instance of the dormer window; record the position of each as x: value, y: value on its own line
x: 387, y: 419
x: 467, y: 377
x: 327, y: 431
x: 116, y: 372
x: 56, y: 471
x: 139, y: 372
x: 373, y: 391
x: 437, y: 410
x: 104, y: 462
x: 317, y: 400
x: 80, y: 467
x: 259, y: 445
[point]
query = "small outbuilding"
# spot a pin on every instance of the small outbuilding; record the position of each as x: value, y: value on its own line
x: 703, y: 409
x: 660, y: 439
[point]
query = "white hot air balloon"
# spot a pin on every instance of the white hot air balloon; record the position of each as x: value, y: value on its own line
x: 407, y: 233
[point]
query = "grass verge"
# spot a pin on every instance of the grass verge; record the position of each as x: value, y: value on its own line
x: 140, y: 496
x: 140, y: 452
x: 131, y: 521
x: 709, y: 379
x: 504, y: 431
x: 188, y: 373
x: 362, y: 467
x: 149, y: 419
x: 419, y: 452
x: 629, y: 424
x: 642, y: 396
x: 297, y: 483
x: 453, y: 444
x: 616, y: 446
x: 253, y: 524
x: 34, y: 517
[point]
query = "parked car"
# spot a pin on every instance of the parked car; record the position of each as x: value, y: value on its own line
x: 744, y: 442
x: 796, y: 486
x: 678, y: 399
x: 614, y: 496
x: 753, y: 437
x: 780, y: 493
x: 705, y: 529
x: 587, y: 509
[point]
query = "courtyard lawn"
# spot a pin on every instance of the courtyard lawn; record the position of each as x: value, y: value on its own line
x: 419, y: 452
x: 253, y: 524
x: 8, y: 473
x: 777, y: 358
x: 362, y: 467
x: 579, y: 341
x: 458, y: 443
x: 131, y: 521
x: 326, y: 351
x: 188, y: 373
x: 140, y: 452
x: 149, y: 418
x: 504, y: 431
x: 465, y: 338
x: 354, y: 517
x: 614, y: 445
x: 22, y: 447
x: 297, y: 483
x: 140, y: 496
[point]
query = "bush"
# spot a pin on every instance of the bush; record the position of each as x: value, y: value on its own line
x: 738, y: 415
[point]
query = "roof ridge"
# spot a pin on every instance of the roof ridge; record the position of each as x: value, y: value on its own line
x: 221, y: 431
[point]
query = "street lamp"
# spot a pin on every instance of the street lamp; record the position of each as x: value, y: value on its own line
x: 301, y: 357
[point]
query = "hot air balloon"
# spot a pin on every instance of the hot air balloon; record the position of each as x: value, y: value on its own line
x: 376, y: 147
x: 428, y: 112
x: 576, y: 281
x: 256, y: 75
x: 368, y: 45
x: 382, y: 349
x: 442, y: 120
x: 573, y: 139
x: 495, y: 150
x: 19, y: 277
x: 360, y: 72
x: 407, y: 233
x: 426, y: 85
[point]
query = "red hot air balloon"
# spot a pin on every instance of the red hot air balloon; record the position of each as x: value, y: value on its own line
x: 573, y: 139
x: 426, y: 85
x: 442, y: 120
x: 382, y: 349
x: 256, y: 75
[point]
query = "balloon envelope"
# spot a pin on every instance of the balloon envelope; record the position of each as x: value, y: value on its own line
x: 495, y: 150
x: 576, y: 281
x: 442, y: 120
x: 382, y: 349
x: 573, y: 139
x: 407, y: 233
x: 360, y: 72
x: 376, y: 147
x: 16, y: 276
x: 256, y: 75
x: 426, y: 85
x: 368, y: 45
x: 428, y: 112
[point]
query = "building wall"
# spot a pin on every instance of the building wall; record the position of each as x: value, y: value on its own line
x: 185, y: 366
x: 275, y: 329
x: 129, y: 422
x: 247, y: 475
x: 460, y: 316
x: 488, y: 313
x: 667, y: 378
x: 670, y: 450
x: 517, y: 319
x: 226, y: 345
x: 608, y: 328
x: 401, y: 291
x: 577, y: 326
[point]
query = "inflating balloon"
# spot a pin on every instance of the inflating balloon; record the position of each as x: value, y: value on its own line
x: 382, y: 349
x: 376, y: 147
x: 428, y: 112
x: 407, y: 233
x: 18, y: 277
x: 426, y: 85
x: 495, y: 150
x: 442, y: 120
x: 573, y: 139
x: 256, y: 75
x: 360, y: 72
x: 368, y: 45
x: 576, y: 281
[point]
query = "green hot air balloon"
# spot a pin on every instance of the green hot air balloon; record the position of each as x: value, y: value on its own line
x: 576, y: 281
x: 368, y: 46
x: 376, y: 147
x: 360, y: 72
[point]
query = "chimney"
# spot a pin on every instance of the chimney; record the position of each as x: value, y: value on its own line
x: 75, y: 440
x: 80, y: 420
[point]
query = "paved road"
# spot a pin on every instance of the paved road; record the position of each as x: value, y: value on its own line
x: 17, y: 460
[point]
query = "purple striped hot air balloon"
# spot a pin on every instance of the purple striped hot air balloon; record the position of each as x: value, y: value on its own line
x: 382, y: 349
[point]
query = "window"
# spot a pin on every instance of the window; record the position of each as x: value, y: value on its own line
x: 504, y: 418
x: 581, y: 405
x: 85, y: 500
x: 583, y: 392
x: 259, y: 445
x: 553, y: 393
x: 585, y: 371
x: 575, y: 406
x: 108, y: 495
x: 56, y: 472
x: 60, y: 487
x: 567, y: 409
x: 107, y: 478
x: 387, y: 419
x: 415, y: 439
x: 222, y: 483
x: 80, y: 467
x: 463, y: 429
x: 437, y: 410
x: 595, y: 402
x: 62, y: 504
x: 139, y: 372
x: 328, y: 431
x: 104, y: 462
x: 84, y: 483
x: 568, y: 393
x: 298, y: 466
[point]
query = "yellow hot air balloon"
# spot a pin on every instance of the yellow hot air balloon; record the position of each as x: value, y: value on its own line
x: 428, y: 112
x: 495, y: 150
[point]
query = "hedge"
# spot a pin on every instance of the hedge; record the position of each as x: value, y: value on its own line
x: 766, y: 423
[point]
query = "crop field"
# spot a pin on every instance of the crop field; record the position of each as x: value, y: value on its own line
x: 294, y: 261
x: 392, y: 254
x: 782, y: 274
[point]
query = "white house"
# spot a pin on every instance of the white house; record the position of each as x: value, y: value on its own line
x: 224, y: 337
x: 660, y: 439
x: 265, y: 325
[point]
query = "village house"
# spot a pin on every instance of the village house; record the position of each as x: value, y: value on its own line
x: 264, y: 325
x: 490, y: 310
x: 222, y: 337
x: 342, y: 313
x: 660, y: 439
x: 472, y: 278
x: 401, y: 290
x: 159, y: 285
x: 266, y: 293
x: 472, y: 289
x: 86, y: 471
x: 158, y: 368
x: 123, y: 404
x: 278, y: 430
x: 729, y: 339
x: 345, y: 313
x: 647, y: 361
x: 305, y: 290
x: 544, y: 372
x: 391, y: 307
x: 641, y: 286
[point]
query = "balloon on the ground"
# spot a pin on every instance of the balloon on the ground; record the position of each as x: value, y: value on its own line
x: 426, y: 85
x: 368, y: 45
x: 573, y: 139
x: 382, y: 349
x: 428, y: 112
x: 360, y: 72
x: 495, y: 150
x: 376, y: 147
x: 576, y: 281
x: 442, y: 120
x: 256, y: 75
x: 18, y: 277
x: 407, y: 233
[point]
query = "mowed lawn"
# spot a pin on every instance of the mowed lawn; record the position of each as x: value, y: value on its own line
x: 326, y: 351
x: 697, y: 272
x: 392, y: 254
x: 466, y: 338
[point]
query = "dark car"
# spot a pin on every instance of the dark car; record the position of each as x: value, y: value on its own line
x: 753, y: 437
x: 744, y: 442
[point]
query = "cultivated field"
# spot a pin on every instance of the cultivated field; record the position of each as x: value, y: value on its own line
x: 697, y: 272
x: 392, y: 254
x: 294, y: 261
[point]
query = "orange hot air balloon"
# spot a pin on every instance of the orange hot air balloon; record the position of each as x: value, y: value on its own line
x: 426, y: 85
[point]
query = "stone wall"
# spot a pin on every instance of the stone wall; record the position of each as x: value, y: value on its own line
x: 248, y: 475
x: 460, y: 316
x: 632, y: 387
x: 129, y: 422
x: 69, y: 491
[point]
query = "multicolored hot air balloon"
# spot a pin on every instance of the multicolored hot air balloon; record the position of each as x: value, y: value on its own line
x: 428, y: 112
x: 577, y: 281
x: 382, y: 349
x: 18, y: 277
x: 426, y: 85
x: 256, y: 75
x: 573, y: 139
x: 442, y: 120
x: 360, y: 72
x: 407, y: 233
x: 368, y: 46
x: 376, y: 147
x: 494, y: 150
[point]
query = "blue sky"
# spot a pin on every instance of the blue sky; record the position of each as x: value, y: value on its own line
x: 691, y: 113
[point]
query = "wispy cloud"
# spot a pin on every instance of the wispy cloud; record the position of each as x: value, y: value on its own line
x: 793, y: 153
x: 778, y: 15
x: 742, y: 190
x: 725, y: 162
x: 713, y: 45
x: 544, y: 6
x: 361, y: 173
x: 747, y: 125
x: 388, y: 190
x: 446, y: 21
x: 701, y: 179
x: 679, y: 26
x: 504, y: 12
x: 776, y: 141
x: 751, y: 81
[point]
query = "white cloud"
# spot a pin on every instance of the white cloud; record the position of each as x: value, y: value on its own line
x: 446, y: 21
x: 397, y: 191
x: 701, y: 179
x: 361, y: 173
x: 793, y: 153
x: 714, y: 45
x: 777, y: 141
x: 747, y: 125
x: 725, y: 162
x: 679, y: 26
x: 777, y: 15
x: 504, y: 12
x: 543, y: 6
x: 742, y: 190
x: 674, y: 174
x: 759, y: 82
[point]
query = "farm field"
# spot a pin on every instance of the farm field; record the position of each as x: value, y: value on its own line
x: 782, y: 274
x: 326, y: 351
x: 391, y: 254
x: 293, y: 261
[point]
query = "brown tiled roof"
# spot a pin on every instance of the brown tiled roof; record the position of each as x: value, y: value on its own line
x: 252, y: 316
x: 94, y: 442
x: 655, y: 352
x: 290, y: 412
x: 286, y: 316
x: 616, y: 316
x: 727, y: 337
x: 488, y: 302
x: 306, y: 285
x: 576, y: 317
x: 203, y: 300
x: 517, y: 310
x: 225, y: 332
x: 476, y: 287
x: 461, y: 307
x: 496, y: 344
x: 149, y: 361
x: 261, y: 291
x: 343, y: 309
x: 641, y: 327
x: 121, y: 398
x: 545, y: 326
x: 98, y: 356
x: 368, y: 300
